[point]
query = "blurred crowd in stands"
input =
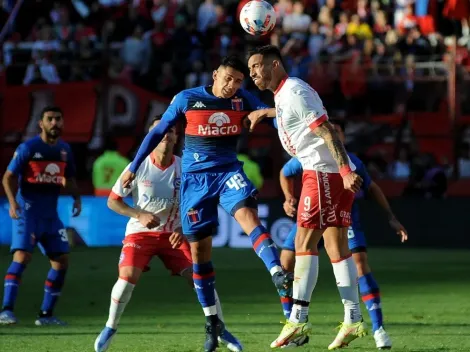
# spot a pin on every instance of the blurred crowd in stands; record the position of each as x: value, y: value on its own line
x: 363, y: 56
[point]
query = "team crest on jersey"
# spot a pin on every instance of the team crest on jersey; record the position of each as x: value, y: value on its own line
x: 177, y: 183
x: 193, y: 215
x: 237, y: 104
x: 63, y: 155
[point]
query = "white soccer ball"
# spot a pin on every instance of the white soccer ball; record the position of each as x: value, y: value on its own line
x: 257, y: 17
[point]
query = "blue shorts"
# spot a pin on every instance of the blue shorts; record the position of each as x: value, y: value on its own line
x: 356, y: 240
x: 202, y: 192
x: 48, y: 233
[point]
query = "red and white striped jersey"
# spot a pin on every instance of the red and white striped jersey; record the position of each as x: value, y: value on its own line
x: 299, y: 110
x: 154, y: 190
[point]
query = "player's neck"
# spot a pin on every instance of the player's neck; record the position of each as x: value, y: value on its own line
x: 163, y: 159
x: 276, y: 82
x: 48, y: 140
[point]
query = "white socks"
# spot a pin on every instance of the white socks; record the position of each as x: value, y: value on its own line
x: 305, y: 279
x: 120, y: 296
x: 346, y: 280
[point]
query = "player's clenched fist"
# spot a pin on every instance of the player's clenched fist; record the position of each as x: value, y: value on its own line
x: 254, y: 118
x: 290, y: 206
x: 352, y: 182
x: 148, y: 220
x: 127, y: 179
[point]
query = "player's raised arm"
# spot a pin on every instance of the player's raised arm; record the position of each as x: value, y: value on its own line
x: 71, y: 184
x: 376, y: 193
x: 286, y: 178
x: 175, y: 111
x: 11, y: 178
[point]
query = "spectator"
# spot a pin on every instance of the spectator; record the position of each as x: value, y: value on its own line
x: 400, y: 168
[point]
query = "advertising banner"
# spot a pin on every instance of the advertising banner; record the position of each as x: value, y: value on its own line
x: 97, y: 225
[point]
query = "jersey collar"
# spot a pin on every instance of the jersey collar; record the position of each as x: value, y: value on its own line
x: 281, y: 84
x: 163, y: 168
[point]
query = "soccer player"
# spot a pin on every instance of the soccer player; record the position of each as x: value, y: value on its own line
x: 368, y: 287
x: 154, y: 229
x: 329, y: 184
x: 40, y: 167
x: 212, y: 175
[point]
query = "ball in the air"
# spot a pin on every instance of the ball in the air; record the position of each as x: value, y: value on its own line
x: 257, y: 17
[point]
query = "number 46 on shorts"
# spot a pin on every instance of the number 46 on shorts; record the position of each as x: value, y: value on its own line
x: 236, y: 182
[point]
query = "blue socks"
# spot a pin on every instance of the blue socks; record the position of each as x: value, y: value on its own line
x: 204, y: 282
x: 12, y: 283
x: 287, y: 303
x: 371, y: 297
x: 266, y: 249
x: 52, y: 289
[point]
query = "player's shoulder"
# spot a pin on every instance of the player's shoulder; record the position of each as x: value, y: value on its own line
x: 186, y: 94
x: 295, y: 87
x: 63, y: 145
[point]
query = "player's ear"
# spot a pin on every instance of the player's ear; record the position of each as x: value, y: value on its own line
x: 40, y: 123
x: 275, y: 64
x: 214, y: 75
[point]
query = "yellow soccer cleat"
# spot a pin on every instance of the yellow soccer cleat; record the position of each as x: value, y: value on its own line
x: 292, y: 333
x: 348, y: 333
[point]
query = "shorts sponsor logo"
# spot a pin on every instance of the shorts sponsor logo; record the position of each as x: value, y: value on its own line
x: 132, y: 245
x: 329, y: 211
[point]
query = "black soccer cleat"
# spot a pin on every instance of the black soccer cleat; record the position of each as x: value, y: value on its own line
x: 213, y: 330
x: 283, y: 282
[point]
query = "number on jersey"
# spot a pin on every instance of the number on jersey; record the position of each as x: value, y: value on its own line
x: 236, y: 181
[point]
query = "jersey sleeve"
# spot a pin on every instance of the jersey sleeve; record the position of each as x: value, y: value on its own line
x: 361, y: 171
x: 70, y: 169
x: 118, y: 191
x: 19, y: 160
x: 307, y: 105
x: 257, y: 104
x: 173, y: 113
x: 292, y: 168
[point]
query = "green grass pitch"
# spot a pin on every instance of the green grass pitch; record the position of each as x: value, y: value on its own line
x: 425, y: 300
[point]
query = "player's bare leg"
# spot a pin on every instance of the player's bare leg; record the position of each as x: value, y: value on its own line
x: 52, y: 289
x: 344, y: 268
x: 12, y: 283
x: 297, y: 328
x: 204, y: 282
x: 265, y: 248
x: 369, y: 290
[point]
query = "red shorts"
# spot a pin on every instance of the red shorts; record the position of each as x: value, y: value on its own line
x: 138, y: 250
x: 324, y: 202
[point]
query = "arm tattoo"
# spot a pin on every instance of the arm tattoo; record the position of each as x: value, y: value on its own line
x: 327, y: 132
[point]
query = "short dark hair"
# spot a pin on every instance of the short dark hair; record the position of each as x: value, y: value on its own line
x: 270, y: 51
x: 236, y: 63
x: 51, y: 108
x: 338, y: 122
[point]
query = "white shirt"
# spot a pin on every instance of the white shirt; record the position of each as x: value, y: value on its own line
x: 154, y: 190
x: 299, y: 110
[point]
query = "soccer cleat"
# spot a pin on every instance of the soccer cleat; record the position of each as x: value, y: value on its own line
x: 283, y: 282
x: 213, y: 331
x: 298, y: 343
x: 382, y: 340
x: 348, y: 333
x: 232, y: 343
x: 103, y: 340
x: 7, y: 317
x: 43, y: 321
x: 292, y: 334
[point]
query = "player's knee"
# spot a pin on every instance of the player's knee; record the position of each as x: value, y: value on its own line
x: 288, y: 260
x: 307, y: 239
x: 187, y: 274
x: 22, y: 257
x: 59, y: 261
x: 201, y: 251
x: 130, y: 274
x: 336, y: 243
x: 362, y: 264
x: 248, y: 218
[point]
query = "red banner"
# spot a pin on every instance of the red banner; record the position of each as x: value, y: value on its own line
x: 90, y: 112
